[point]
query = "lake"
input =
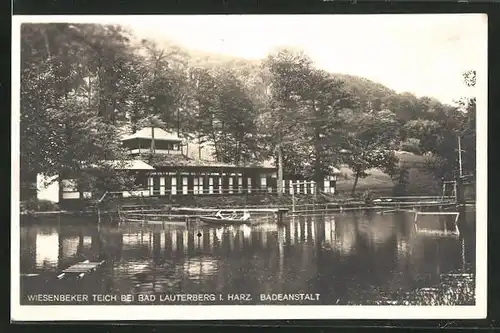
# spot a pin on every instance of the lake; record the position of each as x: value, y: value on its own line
x: 346, y: 258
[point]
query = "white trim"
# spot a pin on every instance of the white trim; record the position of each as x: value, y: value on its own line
x: 174, y: 185
x: 157, y: 151
x: 185, y: 185
x: 162, y: 185
x: 71, y: 195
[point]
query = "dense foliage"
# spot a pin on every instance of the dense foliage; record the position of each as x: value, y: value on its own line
x: 82, y: 85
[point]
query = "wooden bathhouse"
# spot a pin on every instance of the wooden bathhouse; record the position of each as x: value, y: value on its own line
x: 163, y: 169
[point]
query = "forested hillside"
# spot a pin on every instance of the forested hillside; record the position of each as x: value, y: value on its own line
x: 81, y: 84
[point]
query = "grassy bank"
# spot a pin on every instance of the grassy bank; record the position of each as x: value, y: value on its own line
x: 455, y: 288
x: 420, y: 182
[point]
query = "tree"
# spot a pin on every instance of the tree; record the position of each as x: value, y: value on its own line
x: 225, y: 115
x: 281, y: 121
x: 305, y: 103
x: 369, y: 141
x: 439, y: 137
x: 165, y: 85
x: 428, y: 132
x: 62, y: 131
x: 326, y: 100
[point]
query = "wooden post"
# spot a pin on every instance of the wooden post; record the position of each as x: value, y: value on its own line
x: 459, y: 192
x: 98, y: 216
x: 455, y: 187
x: 459, y: 156
x: 314, y: 197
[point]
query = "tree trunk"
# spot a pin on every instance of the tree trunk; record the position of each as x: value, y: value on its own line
x: 199, y: 148
x: 356, y: 178
x: 178, y: 122
x: 152, y: 140
x: 280, y: 171
x: 318, y: 172
x: 216, y: 147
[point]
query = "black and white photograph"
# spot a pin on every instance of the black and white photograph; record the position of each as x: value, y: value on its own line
x: 249, y: 167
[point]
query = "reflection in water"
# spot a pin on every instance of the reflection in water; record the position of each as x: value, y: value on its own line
x: 70, y: 246
x: 197, y: 269
x: 47, y: 251
x: 345, y: 258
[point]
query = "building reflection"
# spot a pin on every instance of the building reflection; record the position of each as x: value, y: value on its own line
x: 332, y: 253
x: 70, y: 246
x: 47, y: 251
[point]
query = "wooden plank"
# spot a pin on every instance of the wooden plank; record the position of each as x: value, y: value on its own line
x: 255, y: 210
x: 419, y: 197
x: 77, y: 269
x: 438, y: 213
x: 83, y: 266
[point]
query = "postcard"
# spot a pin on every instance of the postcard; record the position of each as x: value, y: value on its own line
x: 249, y: 167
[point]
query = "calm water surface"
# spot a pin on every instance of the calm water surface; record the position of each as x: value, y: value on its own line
x: 346, y: 258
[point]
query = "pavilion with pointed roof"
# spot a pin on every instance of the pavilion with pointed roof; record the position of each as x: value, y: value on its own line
x: 162, y: 169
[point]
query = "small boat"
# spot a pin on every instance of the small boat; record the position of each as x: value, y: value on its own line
x: 218, y: 218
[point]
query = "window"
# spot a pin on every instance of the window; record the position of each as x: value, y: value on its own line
x: 195, y: 185
x: 174, y: 185
x: 69, y: 189
x: 184, y: 185
x: 200, y: 184
x: 263, y: 182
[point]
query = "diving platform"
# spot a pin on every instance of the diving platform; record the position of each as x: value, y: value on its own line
x: 80, y: 269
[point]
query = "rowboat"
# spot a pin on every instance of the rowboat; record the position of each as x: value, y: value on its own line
x: 220, y: 219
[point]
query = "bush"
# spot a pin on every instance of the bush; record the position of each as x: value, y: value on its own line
x: 411, y: 145
x: 366, y: 196
x: 37, y: 205
x: 402, y: 180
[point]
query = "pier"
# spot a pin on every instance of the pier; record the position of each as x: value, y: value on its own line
x: 80, y: 269
x: 186, y: 214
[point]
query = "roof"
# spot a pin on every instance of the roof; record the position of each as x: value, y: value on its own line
x: 183, y: 161
x: 159, y: 134
x: 127, y: 165
x: 132, y: 165
x: 270, y: 164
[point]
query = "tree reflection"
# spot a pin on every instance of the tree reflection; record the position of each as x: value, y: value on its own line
x: 345, y: 257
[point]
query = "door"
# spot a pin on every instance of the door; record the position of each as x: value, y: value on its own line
x: 156, y: 186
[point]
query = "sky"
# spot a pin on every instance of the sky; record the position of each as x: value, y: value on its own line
x: 417, y: 53
x: 424, y: 54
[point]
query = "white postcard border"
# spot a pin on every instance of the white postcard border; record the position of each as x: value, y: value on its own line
x: 236, y: 312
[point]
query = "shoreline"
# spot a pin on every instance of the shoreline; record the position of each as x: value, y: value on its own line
x: 301, y: 205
